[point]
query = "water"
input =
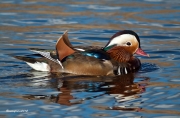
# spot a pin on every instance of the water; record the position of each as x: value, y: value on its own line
x: 152, y: 92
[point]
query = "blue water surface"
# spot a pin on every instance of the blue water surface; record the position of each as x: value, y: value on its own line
x: 153, y: 92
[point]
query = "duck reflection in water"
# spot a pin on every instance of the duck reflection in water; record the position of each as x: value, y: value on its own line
x: 122, y: 88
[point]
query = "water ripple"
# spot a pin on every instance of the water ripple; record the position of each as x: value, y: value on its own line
x: 152, y: 92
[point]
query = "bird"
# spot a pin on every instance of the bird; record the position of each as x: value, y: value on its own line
x: 115, y: 58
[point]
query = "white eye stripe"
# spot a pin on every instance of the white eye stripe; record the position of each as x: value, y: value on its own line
x: 122, y: 40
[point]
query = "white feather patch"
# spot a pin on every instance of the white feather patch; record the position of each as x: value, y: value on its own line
x: 79, y: 49
x: 119, y: 70
x: 125, y: 70
x: 40, y: 66
x: 60, y: 64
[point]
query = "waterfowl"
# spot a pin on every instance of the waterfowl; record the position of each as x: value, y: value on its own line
x: 115, y: 58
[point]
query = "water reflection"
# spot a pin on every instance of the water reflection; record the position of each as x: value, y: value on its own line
x: 121, y: 88
x: 37, y: 24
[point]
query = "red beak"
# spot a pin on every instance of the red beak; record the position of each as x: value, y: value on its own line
x: 141, y: 52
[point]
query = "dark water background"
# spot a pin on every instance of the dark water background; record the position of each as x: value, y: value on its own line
x: 153, y: 92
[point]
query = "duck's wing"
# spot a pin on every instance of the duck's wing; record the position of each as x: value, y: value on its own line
x: 63, y: 47
x: 80, y: 64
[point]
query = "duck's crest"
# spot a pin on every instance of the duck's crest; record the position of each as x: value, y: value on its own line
x: 63, y: 46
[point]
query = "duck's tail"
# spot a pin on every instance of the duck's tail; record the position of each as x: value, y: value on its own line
x: 48, y: 63
x: 37, y: 64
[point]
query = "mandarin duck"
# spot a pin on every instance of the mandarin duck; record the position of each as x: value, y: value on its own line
x: 115, y: 58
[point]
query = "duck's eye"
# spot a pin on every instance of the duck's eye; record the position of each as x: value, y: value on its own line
x: 128, y: 43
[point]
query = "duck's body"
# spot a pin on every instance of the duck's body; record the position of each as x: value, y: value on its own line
x: 116, y: 58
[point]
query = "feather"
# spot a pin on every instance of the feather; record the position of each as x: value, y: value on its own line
x: 48, y: 56
x: 40, y: 66
x: 119, y: 54
x: 45, y: 54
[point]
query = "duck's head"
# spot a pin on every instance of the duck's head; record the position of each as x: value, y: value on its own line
x: 125, y: 42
